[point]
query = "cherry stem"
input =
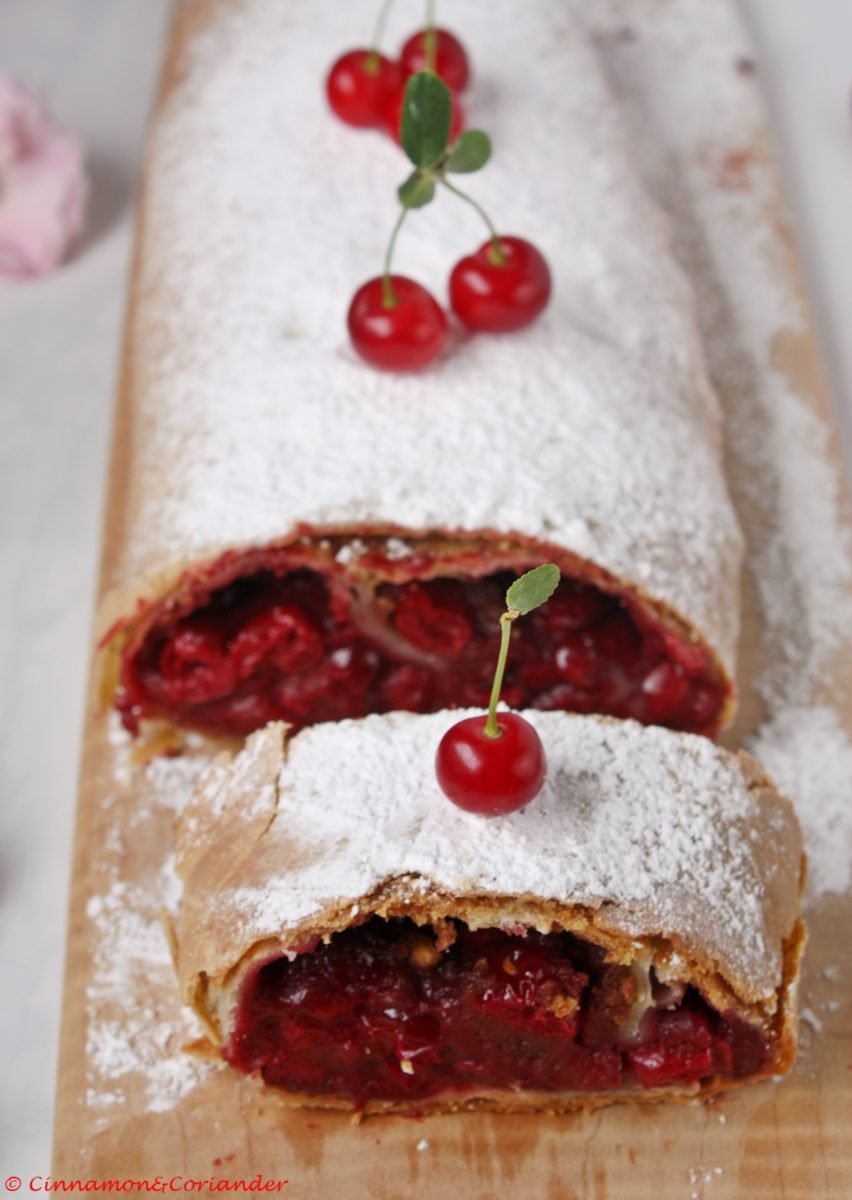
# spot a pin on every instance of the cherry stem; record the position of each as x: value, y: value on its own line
x: 372, y: 63
x: 492, y: 729
x: 496, y: 252
x: 430, y: 38
x: 389, y: 297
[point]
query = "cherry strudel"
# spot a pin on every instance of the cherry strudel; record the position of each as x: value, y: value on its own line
x: 306, y: 539
x: 356, y: 941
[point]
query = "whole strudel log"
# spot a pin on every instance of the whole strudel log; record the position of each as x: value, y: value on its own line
x: 356, y: 941
x: 301, y: 537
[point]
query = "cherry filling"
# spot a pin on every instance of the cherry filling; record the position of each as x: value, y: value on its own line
x: 381, y: 1013
x: 288, y: 644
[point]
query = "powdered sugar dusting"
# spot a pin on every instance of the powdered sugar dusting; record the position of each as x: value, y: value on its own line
x: 136, y: 1031
x: 126, y: 1040
x: 287, y: 427
x: 662, y: 825
x: 810, y: 755
x: 709, y: 165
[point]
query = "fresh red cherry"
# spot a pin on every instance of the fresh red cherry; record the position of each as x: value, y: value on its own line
x: 496, y: 297
x: 393, y: 115
x: 494, y: 765
x: 359, y: 84
x: 406, y: 335
x: 491, y: 775
x: 451, y: 61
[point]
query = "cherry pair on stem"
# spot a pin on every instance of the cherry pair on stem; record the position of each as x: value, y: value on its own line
x: 365, y: 88
x: 496, y: 765
x: 394, y: 322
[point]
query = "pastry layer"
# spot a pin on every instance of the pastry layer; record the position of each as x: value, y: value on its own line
x: 648, y: 851
x: 246, y: 419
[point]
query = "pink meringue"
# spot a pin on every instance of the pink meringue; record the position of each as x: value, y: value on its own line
x: 43, y: 186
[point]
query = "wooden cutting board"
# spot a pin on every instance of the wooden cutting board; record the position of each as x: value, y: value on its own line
x: 132, y: 1105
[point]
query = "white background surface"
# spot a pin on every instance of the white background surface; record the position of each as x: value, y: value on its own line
x: 95, y: 61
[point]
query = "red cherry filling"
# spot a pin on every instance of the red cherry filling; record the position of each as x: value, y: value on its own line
x: 195, y: 665
x: 282, y: 635
x: 281, y: 643
x: 664, y: 687
x: 491, y: 775
x: 405, y: 335
x: 451, y: 61
x: 359, y: 84
x: 435, y: 618
x: 379, y: 1013
x: 492, y: 296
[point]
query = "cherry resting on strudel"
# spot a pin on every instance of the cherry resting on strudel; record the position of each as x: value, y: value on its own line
x: 633, y: 933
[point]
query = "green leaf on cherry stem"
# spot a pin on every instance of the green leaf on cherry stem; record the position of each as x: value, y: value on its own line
x: 470, y: 152
x: 426, y: 118
x: 417, y: 191
x: 533, y: 589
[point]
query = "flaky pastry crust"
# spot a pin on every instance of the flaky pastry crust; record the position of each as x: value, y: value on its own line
x: 244, y: 864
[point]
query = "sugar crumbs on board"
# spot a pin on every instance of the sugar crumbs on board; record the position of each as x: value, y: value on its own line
x: 136, y: 1029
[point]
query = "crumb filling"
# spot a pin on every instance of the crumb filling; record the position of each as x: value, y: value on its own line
x: 296, y: 645
x: 392, y: 1011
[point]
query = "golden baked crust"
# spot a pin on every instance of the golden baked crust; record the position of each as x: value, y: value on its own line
x: 257, y: 883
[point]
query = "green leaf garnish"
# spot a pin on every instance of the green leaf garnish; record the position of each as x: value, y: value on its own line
x: 533, y: 589
x: 525, y: 594
x: 470, y: 152
x: 426, y: 118
x: 417, y: 191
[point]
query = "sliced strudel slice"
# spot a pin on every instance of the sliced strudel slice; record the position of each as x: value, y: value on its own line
x: 356, y: 941
x: 301, y: 538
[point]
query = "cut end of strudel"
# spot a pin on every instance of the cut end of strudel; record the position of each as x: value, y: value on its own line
x: 355, y: 941
x: 301, y: 538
